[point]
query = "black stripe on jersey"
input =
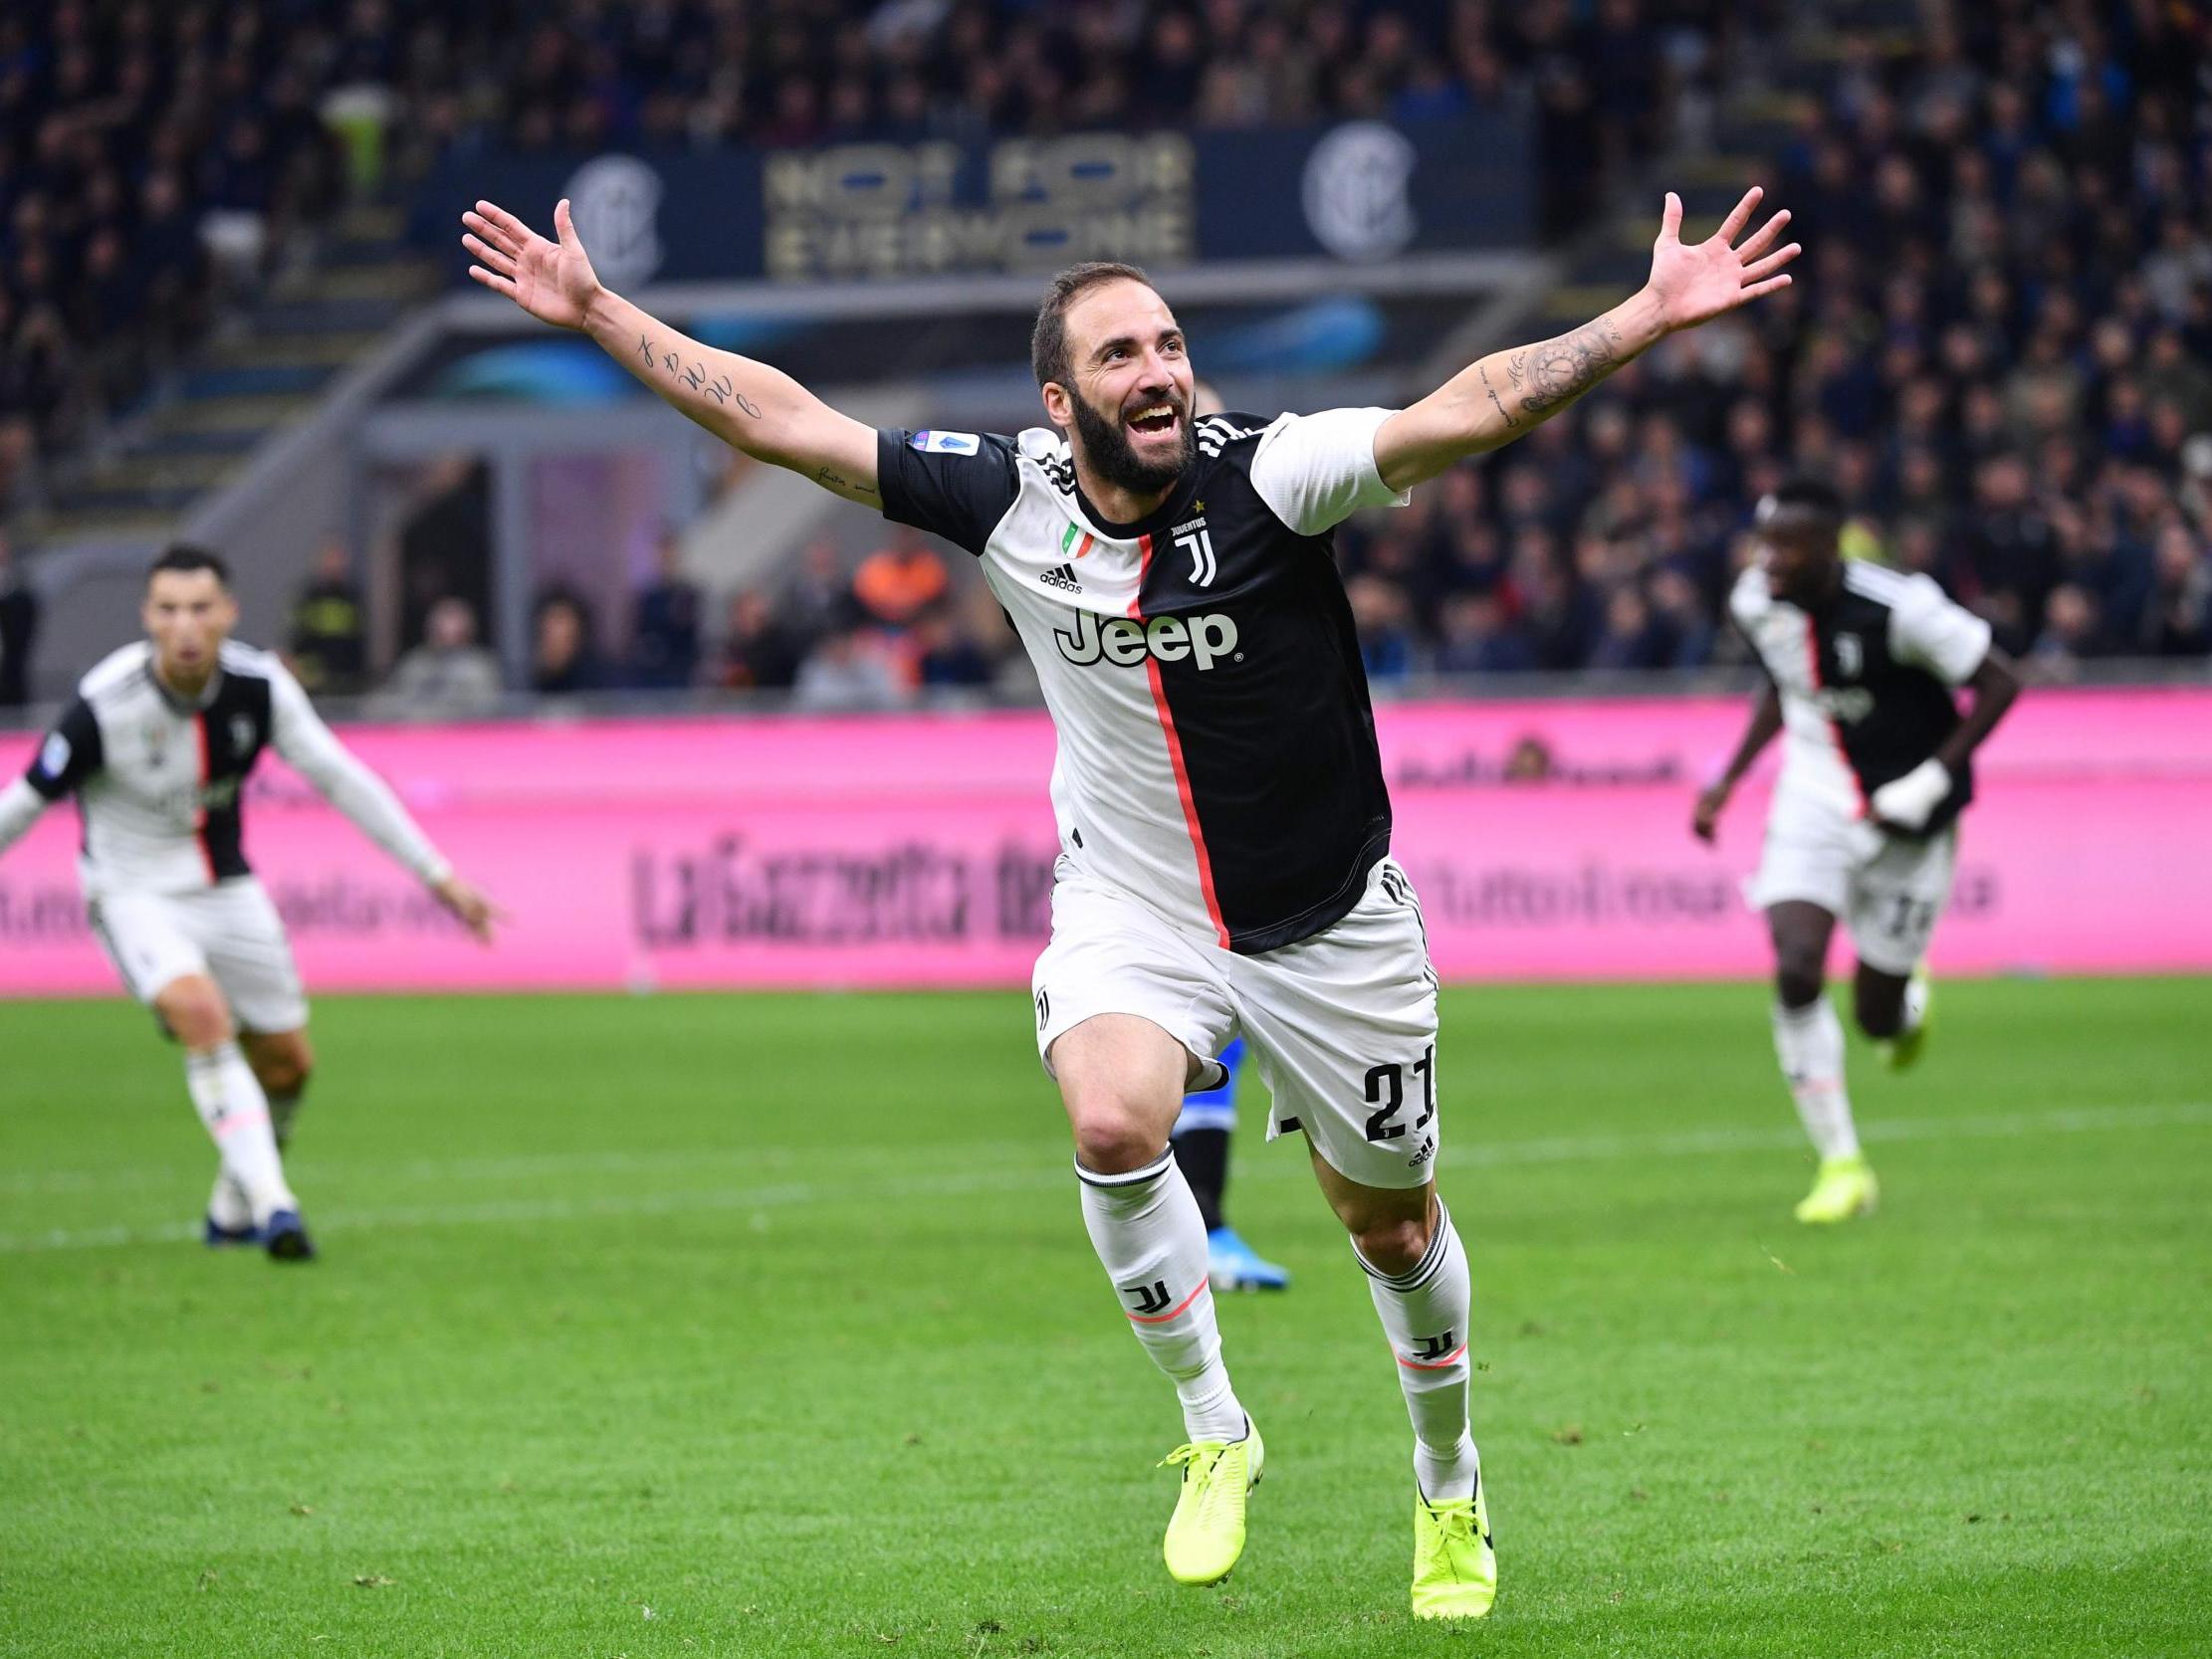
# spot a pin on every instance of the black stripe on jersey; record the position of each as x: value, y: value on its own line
x: 233, y: 731
x: 1277, y: 734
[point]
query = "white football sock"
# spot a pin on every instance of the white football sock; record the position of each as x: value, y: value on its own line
x: 1147, y: 1230
x: 1914, y: 1006
x: 236, y: 1114
x: 227, y: 1207
x: 1426, y: 1314
x: 1809, y: 1042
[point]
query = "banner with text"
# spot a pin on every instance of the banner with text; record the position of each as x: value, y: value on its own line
x: 1548, y: 840
x: 1358, y: 192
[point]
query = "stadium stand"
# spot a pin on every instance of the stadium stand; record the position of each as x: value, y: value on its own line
x: 200, y: 217
x: 1976, y: 354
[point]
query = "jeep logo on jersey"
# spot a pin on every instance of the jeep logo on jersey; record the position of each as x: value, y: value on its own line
x: 1125, y: 641
x: 1850, y: 657
x: 242, y: 733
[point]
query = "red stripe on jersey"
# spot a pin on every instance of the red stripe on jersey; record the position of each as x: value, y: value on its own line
x: 1083, y: 546
x: 1175, y: 753
x: 1835, y: 732
x: 199, y: 816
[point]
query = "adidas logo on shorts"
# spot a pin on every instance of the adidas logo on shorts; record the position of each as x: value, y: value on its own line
x: 1063, y: 578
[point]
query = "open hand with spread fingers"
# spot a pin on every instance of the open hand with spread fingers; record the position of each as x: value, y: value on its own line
x: 552, y: 280
x: 1694, y: 284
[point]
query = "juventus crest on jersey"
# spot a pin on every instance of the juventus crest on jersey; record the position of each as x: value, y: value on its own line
x: 1217, y: 747
x: 1866, y: 683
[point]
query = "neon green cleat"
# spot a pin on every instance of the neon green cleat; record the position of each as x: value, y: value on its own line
x: 1205, y: 1535
x: 1904, y: 1050
x: 1454, y: 1567
x: 1844, y: 1188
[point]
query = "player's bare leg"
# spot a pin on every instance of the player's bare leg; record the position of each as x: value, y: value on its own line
x: 1893, y: 1009
x: 1809, y: 1043
x: 1416, y: 1272
x: 1122, y: 1078
x: 283, y: 1061
x: 231, y: 1104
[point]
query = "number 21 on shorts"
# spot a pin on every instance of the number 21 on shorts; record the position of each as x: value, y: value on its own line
x: 1385, y: 1092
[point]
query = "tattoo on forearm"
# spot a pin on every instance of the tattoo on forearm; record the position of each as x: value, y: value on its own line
x: 1566, y: 368
x: 693, y: 376
x: 1494, y: 398
x: 834, y: 480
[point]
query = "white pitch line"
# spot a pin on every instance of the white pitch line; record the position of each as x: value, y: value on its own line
x: 1031, y: 1176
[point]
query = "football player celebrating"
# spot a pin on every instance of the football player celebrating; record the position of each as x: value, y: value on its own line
x: 1224, y: 830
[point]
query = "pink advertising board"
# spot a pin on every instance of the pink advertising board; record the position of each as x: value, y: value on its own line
x: 917, y: 850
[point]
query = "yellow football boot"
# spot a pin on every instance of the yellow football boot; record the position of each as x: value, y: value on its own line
x: 1205, y: 1535
x: 1843, y: 1188
x: 1454, y: 1567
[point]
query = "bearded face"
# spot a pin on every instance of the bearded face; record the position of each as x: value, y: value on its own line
x: 1159, y: 419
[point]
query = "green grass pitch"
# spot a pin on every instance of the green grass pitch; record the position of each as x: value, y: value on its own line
x: 735, y: 1326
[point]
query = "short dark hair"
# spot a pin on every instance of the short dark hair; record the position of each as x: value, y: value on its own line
x: 183, y: 556
x: 1806, y: 495
x: 1049, y: 340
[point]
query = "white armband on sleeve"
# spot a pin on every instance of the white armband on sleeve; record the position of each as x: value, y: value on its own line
x: 20, y: 806
x: 1315, y: 471
x: 311, y: 747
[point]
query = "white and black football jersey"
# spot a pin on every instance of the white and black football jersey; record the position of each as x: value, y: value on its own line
x: 1217, y: 747
x: 158, y: 780
x: 1866, y: 682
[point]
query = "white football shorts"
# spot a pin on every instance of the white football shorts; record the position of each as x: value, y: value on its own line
x: 1889, y: 890
x: 230, y: 931
x: 1342, y: 1025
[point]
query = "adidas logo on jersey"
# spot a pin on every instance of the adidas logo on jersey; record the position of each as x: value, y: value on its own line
x: 1063, y: 578
x: 1125, y: 641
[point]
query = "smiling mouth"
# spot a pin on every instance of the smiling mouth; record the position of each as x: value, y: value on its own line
x: 1154, y: 420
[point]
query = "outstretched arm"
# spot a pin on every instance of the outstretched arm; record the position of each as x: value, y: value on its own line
x: 1509, y: 393
x: 1766, y: 720
x: 342, y: 779
x: 747, y: 405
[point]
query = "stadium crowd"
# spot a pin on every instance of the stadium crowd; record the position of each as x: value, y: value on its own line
x: 154, y: 161
x: 1979, y: 350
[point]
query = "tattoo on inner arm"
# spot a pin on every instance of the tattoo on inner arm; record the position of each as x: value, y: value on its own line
x: 1494, y: 398
x: 694, y: 375
x: 1566, y: 368
x: 837, y: 480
